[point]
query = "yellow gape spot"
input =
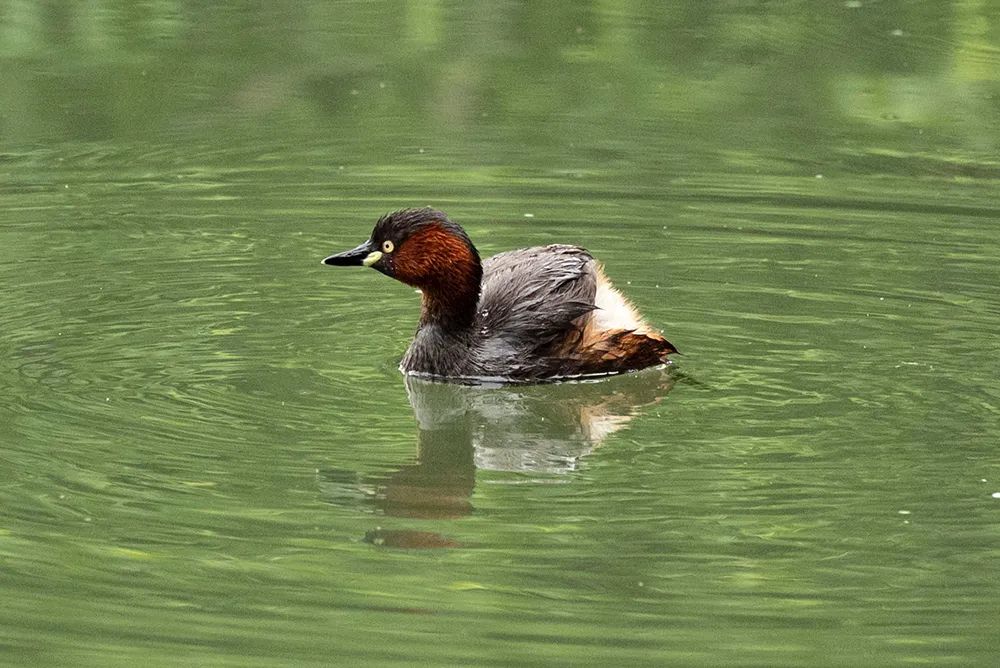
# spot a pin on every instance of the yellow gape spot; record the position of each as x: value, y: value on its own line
x: 372, y: 258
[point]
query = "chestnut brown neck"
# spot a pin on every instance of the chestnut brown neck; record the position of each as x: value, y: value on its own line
x: 446, y: 269
x: 451, y: 308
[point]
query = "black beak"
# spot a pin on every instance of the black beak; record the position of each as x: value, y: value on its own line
x: 353, y: 257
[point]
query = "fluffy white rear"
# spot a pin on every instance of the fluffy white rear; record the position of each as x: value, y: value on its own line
x: 614, y: 311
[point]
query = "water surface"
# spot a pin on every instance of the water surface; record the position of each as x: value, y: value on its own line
x: 209, y: 456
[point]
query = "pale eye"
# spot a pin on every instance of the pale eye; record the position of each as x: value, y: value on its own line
x: 387, y: 246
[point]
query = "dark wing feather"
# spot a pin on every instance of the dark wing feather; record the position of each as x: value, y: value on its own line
x: 530, y: 297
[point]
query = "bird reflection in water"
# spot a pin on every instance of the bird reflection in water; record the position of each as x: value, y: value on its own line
x: 544, y: 429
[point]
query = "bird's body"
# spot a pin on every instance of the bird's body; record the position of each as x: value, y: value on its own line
x: 540, y: 313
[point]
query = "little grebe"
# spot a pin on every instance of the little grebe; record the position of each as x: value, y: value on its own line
x: 531, y: 314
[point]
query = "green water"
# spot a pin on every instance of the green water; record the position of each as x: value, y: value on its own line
x: 208, y: 457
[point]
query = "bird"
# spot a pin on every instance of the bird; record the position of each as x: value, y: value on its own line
x: 538, y: 314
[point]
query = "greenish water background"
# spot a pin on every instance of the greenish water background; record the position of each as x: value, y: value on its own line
x: 207, y: 455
